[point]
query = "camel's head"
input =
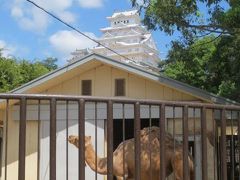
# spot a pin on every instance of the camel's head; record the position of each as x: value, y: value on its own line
x: 87, y: 140
x: 75, y: 141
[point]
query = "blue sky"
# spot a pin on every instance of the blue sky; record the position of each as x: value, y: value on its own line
x: 28, y: 33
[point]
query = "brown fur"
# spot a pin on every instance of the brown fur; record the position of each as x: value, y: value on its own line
x: 150, y: 167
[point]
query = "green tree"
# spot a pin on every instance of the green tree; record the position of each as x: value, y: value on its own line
x: 225, y: 67
x: 210, y: 66
x: 50, y: 63
x: 30, y: 71
x: 9, y: 74
x: 14, y: 73
x: 221, y: 17
x: 208, y: 56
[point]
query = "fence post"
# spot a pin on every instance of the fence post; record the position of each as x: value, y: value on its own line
x: 6, y: 140
x: 238, y: 114
x: 22, y: 139
x: 81, y: 135
x: 137, y: 127
x: 162, y: 141
x: 38, y: 140
x: 110, y: 140
x: 52, y: 156
x: 185, y: 143
x: 204, y: 143
x: 223, y: 145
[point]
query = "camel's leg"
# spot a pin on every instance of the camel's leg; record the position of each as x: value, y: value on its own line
x: 177, y: 165
x: 119, y: 178
x: 191, y: 168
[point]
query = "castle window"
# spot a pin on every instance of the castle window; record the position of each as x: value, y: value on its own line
x: 120, y: 87
x: 86, y: 87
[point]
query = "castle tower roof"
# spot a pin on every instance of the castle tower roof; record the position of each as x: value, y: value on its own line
x: 129, y: 38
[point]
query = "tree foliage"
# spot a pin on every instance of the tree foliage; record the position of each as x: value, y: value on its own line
x: 14, y: 73
x: 208, y: 55
x: 187, y: 16
x: 210, y: 66
x: 50, y: 63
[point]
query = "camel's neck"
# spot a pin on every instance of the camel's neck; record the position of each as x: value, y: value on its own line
x: 101, y: 165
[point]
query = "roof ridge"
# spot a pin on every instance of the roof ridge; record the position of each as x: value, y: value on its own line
x: 131, y: 67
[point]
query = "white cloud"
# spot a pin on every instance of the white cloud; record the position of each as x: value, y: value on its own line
x: 17, y: 12
x: 54, y: 5
x: 67, y: 16
x: 31, y: 18
x: 37, y: 21
x: 13, y: 50
x: 34, y: 19
x: 90, y: 3
x: 7, y: 50
x: 66, y: 42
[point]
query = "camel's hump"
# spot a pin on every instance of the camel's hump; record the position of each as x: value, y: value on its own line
x: 154, y: 132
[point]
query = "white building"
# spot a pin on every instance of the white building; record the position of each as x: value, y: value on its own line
x: 127, y: 37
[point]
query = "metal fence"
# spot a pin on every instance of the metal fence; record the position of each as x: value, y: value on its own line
x: 172, y: 118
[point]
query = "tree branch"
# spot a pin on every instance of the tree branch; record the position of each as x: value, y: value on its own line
x: 212, y: 40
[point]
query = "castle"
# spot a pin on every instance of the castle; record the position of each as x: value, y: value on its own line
x: 131, y: 41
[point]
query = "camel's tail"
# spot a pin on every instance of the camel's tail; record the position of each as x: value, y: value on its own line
x: 191, y: 168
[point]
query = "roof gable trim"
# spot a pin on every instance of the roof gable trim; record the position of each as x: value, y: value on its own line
x: 201, y: 94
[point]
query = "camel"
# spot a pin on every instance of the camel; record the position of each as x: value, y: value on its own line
x: 124, y: 166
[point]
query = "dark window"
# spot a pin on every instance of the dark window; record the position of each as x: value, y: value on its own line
x: 86, y: 87
x: 119, y: 87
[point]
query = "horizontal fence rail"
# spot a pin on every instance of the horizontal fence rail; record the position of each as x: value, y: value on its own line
x: 138, y: 139
x: 118, y: 100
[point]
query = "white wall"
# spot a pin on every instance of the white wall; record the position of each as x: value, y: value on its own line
x: 72, y: 150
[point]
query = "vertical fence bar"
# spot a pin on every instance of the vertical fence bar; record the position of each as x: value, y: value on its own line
x: 194, y: 138
x: 185, y: 143
x: 232, y: 149
x: 22, y: 139
x: 38, y: 141
x: 81, y: 135
x: 67, y: 133
x: 110, y: 140
x: 124, y: 138
x: 238, y: 131
x: 162, y: 141
x: 204, y: 143
x: 218, y: 145
x: 150, y: 141
x: 137, y: 127
x: 174, y: 134
x: 6, y: 141
x: 214, y: 143
x: 96, y: 148
x: 223, y: 145
x: 53, y: 128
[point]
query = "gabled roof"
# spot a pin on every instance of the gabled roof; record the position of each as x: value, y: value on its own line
x: 130, y: 67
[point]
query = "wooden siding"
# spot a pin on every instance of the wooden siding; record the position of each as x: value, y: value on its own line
x: 103, y: 78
